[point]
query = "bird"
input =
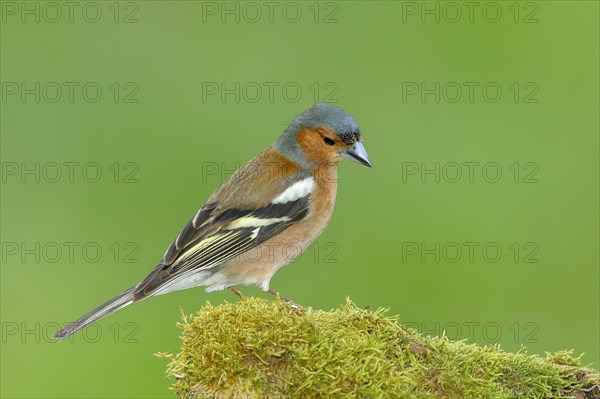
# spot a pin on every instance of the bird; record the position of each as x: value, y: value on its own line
x: 283, y: 198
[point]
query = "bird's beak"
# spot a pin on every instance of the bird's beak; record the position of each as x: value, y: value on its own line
x: 358, y: 154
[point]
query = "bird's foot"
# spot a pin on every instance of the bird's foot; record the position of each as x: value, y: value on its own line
x: 277, y: 294
x: 290, y: 302
x: 236, y: 292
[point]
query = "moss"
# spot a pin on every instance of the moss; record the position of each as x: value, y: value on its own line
x: 258, y: 348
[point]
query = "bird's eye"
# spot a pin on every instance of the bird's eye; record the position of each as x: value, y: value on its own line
x: 328, y: 141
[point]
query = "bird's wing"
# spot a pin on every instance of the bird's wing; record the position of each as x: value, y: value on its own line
x: 221, y: 231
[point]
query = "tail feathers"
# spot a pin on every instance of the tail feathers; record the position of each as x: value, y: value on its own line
x: 117, y: 303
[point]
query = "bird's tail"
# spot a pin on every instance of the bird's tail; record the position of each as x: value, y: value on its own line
x: 117, y: 303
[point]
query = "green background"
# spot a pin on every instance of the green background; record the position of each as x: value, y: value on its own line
x: 362, y: 59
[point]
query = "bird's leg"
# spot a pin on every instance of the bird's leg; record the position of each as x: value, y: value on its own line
x: 277, y: 294
x: 236, y: 292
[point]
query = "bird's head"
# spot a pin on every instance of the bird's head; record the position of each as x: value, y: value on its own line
x: 323, y: 133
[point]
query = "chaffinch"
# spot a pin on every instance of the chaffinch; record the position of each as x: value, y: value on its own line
x: 280, y: 200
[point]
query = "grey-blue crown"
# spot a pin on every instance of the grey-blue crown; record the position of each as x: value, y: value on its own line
x: 330, y: 116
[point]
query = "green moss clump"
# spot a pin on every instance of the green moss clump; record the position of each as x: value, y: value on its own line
x: 258, y: 348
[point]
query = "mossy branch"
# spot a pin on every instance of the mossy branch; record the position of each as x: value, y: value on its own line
x: 259, y: 348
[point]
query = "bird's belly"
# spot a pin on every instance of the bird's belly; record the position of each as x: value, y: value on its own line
x: 258, y: 265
